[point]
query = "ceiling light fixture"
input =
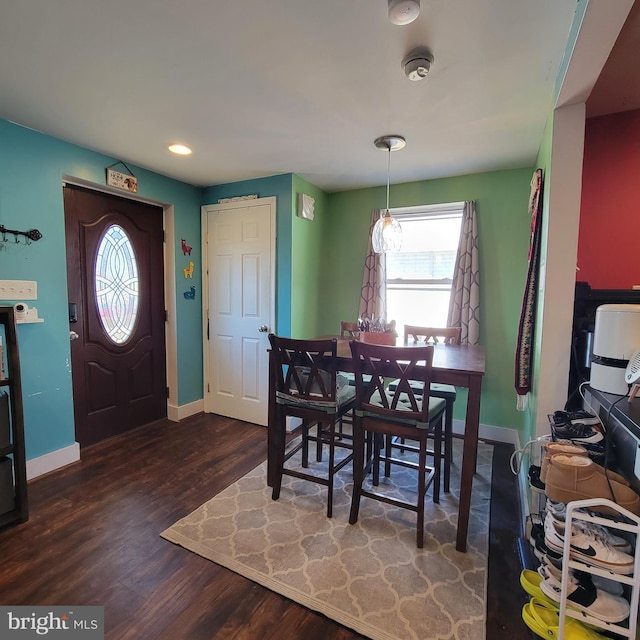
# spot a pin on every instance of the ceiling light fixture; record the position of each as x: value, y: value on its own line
x: 387, y: 232
x: 403, y: 11
x: 180, y: 149
x: 417, y: 63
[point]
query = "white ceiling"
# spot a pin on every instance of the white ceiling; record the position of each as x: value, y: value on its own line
x: 263, y: 87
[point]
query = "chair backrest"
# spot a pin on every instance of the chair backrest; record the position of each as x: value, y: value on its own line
x: 349, y: 329
x: 445, y: 335
x: 305, y: 369
x: 373, y: 364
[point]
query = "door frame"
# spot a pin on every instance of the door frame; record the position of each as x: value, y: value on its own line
x: 205, y: 209
x: 174, y: 412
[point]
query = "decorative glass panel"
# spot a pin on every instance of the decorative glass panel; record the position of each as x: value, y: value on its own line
x: 117, y: 284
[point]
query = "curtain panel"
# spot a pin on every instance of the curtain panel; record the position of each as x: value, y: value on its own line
x: 464, y: 304
x: 373, y: 299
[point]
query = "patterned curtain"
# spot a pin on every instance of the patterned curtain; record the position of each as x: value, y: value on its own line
x: 464, y: 305
x: 373, y: 300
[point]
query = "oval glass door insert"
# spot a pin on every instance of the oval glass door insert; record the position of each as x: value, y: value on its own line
x: 117, y: 284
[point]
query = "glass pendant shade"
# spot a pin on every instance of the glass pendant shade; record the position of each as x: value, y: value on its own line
x: 387, y: 234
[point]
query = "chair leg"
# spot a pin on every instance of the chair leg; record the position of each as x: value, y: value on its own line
x: 422, y: 465
x: 448, y: 443
x: 332, y: 454
x: 305, y: 445
x: 437, y: 460
x: 279, y: 451
x: 319, y: 442
x: 358, y: 470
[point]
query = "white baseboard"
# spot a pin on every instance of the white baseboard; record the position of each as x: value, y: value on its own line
x: 52, y: 461
x: 177, y: 413
x: 489, y: 432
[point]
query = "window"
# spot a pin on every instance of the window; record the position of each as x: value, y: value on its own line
x: 419, y: 276
x: 116, y: 284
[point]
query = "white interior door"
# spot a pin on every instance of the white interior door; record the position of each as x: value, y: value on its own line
x: 239, y: 239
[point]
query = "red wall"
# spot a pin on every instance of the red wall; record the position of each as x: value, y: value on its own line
x: 609, y: 237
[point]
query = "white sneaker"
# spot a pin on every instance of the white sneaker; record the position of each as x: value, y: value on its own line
x: 611, y: 538
x: 582, y: 595
x: 548, y: 568
x: 587, y: 546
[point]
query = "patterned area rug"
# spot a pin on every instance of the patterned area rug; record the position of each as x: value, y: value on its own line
x: 370, y: 576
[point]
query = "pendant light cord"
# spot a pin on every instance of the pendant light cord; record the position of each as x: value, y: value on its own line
x: 388, y: 174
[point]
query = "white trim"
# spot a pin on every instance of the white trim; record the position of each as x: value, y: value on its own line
x: 428, y: 210
x: 177, y: 413
x: 489, y: 432
x: 52, y: 461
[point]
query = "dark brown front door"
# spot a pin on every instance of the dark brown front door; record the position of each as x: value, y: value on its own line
x: 115, y: 280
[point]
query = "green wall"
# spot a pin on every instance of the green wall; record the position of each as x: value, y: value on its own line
x: 503, y: 228
x: 32, y: 167
x: 308, y: 259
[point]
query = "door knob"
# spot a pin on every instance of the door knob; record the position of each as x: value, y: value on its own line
x: 263, y: 328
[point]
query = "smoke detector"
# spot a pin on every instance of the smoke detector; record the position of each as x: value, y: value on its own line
x: 416, y: 63
x: 403, y: 11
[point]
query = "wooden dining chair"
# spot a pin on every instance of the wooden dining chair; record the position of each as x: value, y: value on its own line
x: 308, y: 387
x: 401, y: 412
x: 439, y: 335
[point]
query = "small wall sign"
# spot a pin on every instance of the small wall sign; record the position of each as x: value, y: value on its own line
x: 122, y: 180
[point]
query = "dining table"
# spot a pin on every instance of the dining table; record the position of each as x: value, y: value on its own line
x: 459, y: 365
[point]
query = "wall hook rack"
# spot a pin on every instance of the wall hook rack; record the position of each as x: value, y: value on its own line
x: 30, y: 235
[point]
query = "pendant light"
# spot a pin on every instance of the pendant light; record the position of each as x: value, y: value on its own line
x: 387, y: 232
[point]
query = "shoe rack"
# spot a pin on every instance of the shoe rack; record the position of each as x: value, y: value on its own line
x: 630, y: 526
x: 13, y: 475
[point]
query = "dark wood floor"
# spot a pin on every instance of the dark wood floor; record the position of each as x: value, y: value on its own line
x: 93, y: 538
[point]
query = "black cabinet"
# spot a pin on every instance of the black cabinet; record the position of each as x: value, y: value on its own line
x: 13, y: 466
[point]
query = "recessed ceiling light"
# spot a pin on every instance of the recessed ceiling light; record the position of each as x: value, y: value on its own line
x: 180, y: 149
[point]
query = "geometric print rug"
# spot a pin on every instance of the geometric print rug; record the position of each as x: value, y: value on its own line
x: 369, y: 576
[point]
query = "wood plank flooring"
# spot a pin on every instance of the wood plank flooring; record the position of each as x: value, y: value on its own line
x: 93, y: 538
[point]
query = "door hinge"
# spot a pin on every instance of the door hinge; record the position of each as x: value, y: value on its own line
x: 166, y: 316
x: 208, y: 388
x: 168, y: 394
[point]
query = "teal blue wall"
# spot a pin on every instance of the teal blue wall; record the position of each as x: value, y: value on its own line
x: 32, y: 167
x: 280, y: 187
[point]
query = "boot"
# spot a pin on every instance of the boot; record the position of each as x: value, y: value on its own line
x: 572, y: 478
x: 551, y: 448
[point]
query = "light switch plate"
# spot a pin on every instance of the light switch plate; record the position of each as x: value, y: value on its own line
x: 18, y: 290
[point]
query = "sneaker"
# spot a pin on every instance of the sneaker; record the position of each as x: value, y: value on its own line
x: 587, y: 547
x: 534, y: 479
x: 578, y: 433
x: 605, y: 533
x: 573, y: 417
x: 582, y: 595
x: 554, y: 568
x: 557, y: 509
